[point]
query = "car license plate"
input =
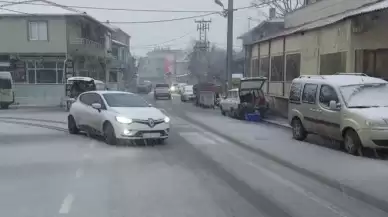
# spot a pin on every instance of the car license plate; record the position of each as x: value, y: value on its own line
x: 151, y: 135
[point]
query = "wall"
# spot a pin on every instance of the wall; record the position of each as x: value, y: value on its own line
x: 330, y: 39
x: 39, y: 94
x: 375, y: 36
x: 321, y: 9
x: 16, y: 41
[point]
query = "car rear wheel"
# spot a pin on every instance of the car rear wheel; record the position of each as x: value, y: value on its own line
x: 71, y: 125
x: 298, y: 131
x: 109, y: 134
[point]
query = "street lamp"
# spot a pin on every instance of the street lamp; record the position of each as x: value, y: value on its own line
x: 229, y: 47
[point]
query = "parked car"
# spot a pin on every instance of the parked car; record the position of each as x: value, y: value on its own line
x: 162, y: 90
x: 117, y: 116
x: 187, y: 93
x: 7, y: 96
x: 174, y: 88
x: 349, y: 108
x: 248, y: 98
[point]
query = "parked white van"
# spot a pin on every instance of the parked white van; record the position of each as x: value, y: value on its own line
x: 6, y: 90
x: 352, y: 108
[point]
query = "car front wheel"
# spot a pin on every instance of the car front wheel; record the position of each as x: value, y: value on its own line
x: 298, y: 131
x: 352, y: 143
x: 109, y: 134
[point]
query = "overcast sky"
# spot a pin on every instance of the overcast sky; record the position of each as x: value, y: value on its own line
x: 155, y: 33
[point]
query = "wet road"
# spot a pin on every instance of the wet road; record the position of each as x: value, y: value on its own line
x: 47, y: 172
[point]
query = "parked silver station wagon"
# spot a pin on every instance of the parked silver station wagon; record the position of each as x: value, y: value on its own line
x: 347, y: 107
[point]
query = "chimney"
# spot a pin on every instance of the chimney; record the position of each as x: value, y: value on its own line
x: 272, y: 13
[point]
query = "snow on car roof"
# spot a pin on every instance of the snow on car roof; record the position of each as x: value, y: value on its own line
x: 340, y: 80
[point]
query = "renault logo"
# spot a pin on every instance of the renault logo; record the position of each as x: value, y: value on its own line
x: 151, y: 123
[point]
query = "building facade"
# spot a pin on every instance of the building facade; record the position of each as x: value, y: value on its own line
x: 120, y: 69
x: 318, y: 40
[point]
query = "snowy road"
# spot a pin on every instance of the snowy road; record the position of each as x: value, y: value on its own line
x: 47, y: 172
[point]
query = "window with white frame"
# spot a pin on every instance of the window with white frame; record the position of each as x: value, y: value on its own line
x: 37, y: 31
x: 45, y: 72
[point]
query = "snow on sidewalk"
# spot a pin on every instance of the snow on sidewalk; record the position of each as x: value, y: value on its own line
x: 359, y: 177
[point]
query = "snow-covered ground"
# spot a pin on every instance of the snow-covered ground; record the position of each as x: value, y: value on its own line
x: 356, y: 176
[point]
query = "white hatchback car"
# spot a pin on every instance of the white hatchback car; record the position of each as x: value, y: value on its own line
x: 117, y: 116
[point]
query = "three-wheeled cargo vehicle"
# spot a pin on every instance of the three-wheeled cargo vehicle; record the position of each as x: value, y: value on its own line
x: 77, y: 85
x: 205, y: 94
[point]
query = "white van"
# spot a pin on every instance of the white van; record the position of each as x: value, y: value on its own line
x: 6, y: 90
x: 352, y: 108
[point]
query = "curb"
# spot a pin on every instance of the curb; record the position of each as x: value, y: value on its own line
x: 277, y: 123
x: 347, y: 190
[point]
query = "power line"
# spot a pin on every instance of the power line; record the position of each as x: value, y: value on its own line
x: 132, y: 22
x: 125, y: 9
x: 163, y: 21
x: 161, y: 43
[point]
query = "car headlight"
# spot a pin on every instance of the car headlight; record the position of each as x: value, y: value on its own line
x: 123, y: 120
x: 375, y: 123
x: 172, y: 88
x: 166, y: 119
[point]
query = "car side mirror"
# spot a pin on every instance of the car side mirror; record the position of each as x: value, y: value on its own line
x: 149, y: 105
x: 97, y: 106
x: 333, y: 105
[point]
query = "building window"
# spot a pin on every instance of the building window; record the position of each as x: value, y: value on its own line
x: 45, y: 72
x: 264, y: 67
x: 332, y: 63
x: 255, y: 67
x: 309, y: 93
x: 113, y: 76
x: 37, y: 31
x: 277, y: 68
x: 292, y: 66
x: 18, y: 70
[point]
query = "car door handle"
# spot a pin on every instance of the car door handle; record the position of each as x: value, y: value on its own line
x: 315, y: 110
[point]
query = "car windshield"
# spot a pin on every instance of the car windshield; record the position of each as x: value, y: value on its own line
x: 365, y: 95
x: 162, y: 86
x: 124, y: 100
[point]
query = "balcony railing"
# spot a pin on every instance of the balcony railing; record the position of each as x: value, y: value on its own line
x: 86, y: 42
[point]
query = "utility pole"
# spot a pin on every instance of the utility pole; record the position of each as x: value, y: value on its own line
x: 229, y: 49
x: 203, y: 26
x: 203, y: 44
x: 228, y: 13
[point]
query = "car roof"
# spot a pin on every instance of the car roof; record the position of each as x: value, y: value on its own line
x: 80, y: 79
x: 338, y: 80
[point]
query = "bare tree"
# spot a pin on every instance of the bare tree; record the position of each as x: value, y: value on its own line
x: 282, y: 6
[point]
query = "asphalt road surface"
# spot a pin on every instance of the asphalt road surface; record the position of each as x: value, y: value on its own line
x: 46, y: 172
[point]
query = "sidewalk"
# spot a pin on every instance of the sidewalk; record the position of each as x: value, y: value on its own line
x: 357, y: 177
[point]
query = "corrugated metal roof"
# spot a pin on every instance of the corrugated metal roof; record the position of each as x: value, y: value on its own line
x: 330, y: 20
x: 119, y: 43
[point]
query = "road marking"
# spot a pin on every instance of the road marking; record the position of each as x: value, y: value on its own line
x: 66, y: 205
x: 79, y: 173
x: 293, y: 186
x: 195, y: 138
x: 216, y: 137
